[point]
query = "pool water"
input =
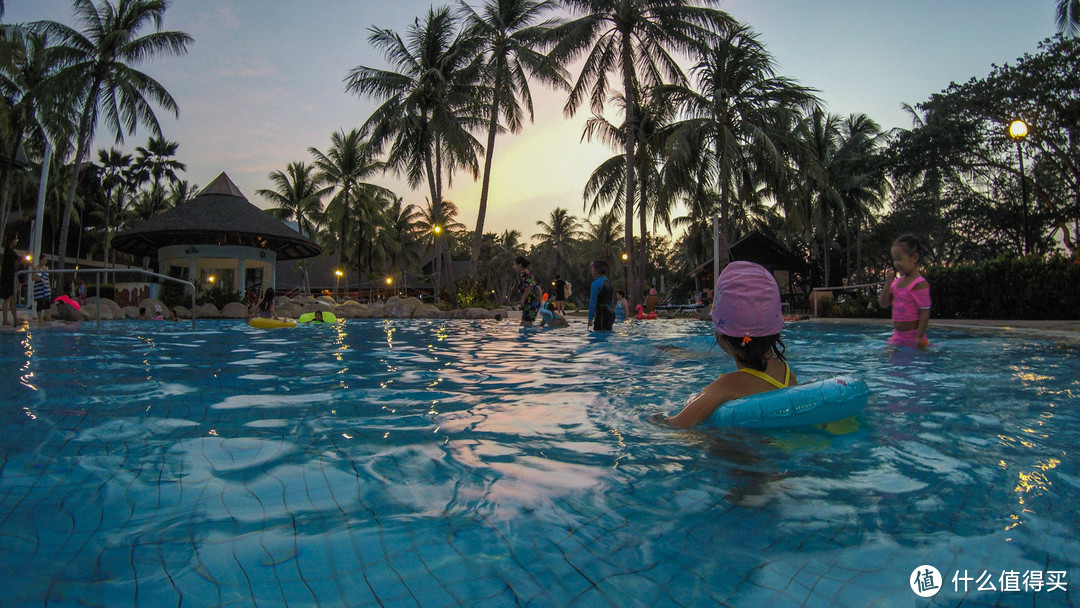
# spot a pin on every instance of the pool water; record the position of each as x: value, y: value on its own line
x: 460, y: 463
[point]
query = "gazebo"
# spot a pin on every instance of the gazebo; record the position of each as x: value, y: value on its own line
x: 218, y: 237
x: 761, y: 249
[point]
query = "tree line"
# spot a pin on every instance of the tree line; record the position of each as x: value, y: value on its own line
x: 700, y: 126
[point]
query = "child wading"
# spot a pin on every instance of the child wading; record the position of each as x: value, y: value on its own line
x: 748, y: 320
x: 908, y: 293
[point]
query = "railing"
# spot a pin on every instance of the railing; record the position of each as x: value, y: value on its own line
x: 864, y: 287
x: 99, y: 271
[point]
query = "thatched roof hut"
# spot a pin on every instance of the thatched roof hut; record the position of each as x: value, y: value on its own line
x: 218, y: 236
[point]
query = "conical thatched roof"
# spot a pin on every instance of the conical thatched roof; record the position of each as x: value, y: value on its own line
x: 219, y: 215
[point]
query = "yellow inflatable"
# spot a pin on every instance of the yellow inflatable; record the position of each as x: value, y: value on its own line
x: 309, y: 317
x: 261, y: 323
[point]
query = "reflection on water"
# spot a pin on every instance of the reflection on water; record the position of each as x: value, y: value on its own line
x: 457, y: 462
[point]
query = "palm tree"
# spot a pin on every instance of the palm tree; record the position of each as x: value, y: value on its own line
x: 511, y: 38
x: 346, y: 164
x: 429, y: 105
x: 601, y: 240
x: 298, y: 193
x: 1068, y: 17
x: 32, y: 107
x: 634, y: 39
x: 154, y: 163
x: 114, y: 181
x: 98, y: 71
x: 738, y: 129
x: 398, y: 236
x: 559, y: 235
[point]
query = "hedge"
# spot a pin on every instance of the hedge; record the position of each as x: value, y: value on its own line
x: 1007, y: 287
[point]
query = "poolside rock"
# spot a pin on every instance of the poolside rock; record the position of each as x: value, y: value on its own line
x: 377, y: 310
x: 109, y: 310
x: 234, y: 310
x: 479, y: 313
x: 182, y: 312
x: 400, y: 308
x: 427, y: 311
x: 352, y: 310
x: 206, y: 311
x: 67, y: 312
x: 130, y: 312
x: 288, y: 310
x: 327, y: 300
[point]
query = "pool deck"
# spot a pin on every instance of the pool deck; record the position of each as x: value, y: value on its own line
x: 1062, y: 330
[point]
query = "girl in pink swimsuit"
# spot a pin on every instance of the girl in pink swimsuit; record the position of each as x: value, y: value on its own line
x: 908, y: 293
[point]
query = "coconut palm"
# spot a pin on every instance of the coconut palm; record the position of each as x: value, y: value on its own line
x: 32, y: 107
x: 559, y: 236
x: 1067, y: 17
x: 602, y: 240
x: 635, y: 40
x: 511, y: 36
x: 429, y: 106
x: 344, y: 167
x: 738, y: 130
x: 98, y: 70
x: 116, y: 185
x: 398, y: 236
x: 298, y: 193
x: 153, y: 163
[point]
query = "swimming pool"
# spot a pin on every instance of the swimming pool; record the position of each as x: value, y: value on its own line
x: 447, y: 463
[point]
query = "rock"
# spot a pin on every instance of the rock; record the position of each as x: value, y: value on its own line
x: 376, y: 310
x: 182, y: 312
x: 326, y: 300
x: 67, y: 312
x: 130, y: 312
x: 427, y: 311
x: 204, y: 311
x: 400, y: 308
x: 109, y: 309
x: 234, y: 310
x: 289, y: 310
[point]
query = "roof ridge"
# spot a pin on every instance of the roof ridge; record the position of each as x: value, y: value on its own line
x: 222, y: 185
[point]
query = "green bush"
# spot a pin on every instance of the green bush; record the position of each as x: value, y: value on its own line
x: 1007, y: 287
x: 219, y: 296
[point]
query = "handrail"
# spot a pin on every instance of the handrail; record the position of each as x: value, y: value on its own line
x: 97, y: 287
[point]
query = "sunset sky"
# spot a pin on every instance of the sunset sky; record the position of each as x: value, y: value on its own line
x: 264, y: 81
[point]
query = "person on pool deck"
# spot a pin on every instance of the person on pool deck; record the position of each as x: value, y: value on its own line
x: 908, y: 293
x: 266, y: 307
x: 42, y: 291
x: 561, y: 287
x: 8, y: 284
x: 748, y: 320
x: 530, y: 291
x: 652, y: 300
x: 601, y: 298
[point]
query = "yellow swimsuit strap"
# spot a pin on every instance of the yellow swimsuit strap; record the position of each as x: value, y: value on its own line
x: 770, y: 379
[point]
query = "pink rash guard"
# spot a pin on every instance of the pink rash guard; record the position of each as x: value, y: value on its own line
x: 907, y: 302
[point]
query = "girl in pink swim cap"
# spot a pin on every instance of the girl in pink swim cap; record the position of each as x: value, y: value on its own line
x: 748, y: 319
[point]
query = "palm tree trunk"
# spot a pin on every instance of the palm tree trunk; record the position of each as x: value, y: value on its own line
x: 481, y: 214
x: 631, y: 182
x: 5, y: 184
x: 69, y: 195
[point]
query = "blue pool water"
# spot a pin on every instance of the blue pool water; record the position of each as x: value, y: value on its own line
x: 457, y: 463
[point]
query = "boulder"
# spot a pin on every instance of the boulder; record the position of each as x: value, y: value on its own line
x: 377, y: 310
x: 326, y: 300
x: 288, y: 310
x: 234, y: 310
x: 401, y: 308
x: 353, y: 311
x: 109, y: 309
x: 204, y: 311
x: 67, y: 312
x: 130, y: 312
x: 427, y: 311
x: 182, y: 312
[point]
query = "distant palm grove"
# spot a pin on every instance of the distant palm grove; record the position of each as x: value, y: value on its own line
x: 705, y: 136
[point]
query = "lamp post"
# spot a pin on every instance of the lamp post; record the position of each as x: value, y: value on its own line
x: 626, y: 271
x: 389, y: 282
x: 437, y: 229
x: 1018, y: 130
x: 337, y: 281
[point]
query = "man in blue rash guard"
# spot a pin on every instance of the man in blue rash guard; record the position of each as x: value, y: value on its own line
x: 601, y: 298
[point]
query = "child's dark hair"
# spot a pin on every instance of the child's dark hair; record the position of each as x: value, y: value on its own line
x: 268, y: 299
x: 910, y: 244
x: 620, y: 293
x: 751, y: 351
x: 521, y: 261
x: 600, y: 266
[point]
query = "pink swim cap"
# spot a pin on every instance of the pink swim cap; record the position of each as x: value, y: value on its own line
x: 747, y: 302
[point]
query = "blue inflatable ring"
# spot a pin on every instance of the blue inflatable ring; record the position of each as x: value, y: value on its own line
x: 818, y: 402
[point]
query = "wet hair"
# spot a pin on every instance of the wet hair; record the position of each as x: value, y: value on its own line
x: 268, y: 299
x: 600, y: 266
x: 620, y: 293
x: 558, y: 277
x: 751, y: 351
x: 909, y: 244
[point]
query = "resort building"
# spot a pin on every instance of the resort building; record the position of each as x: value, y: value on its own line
x: 218, y: 238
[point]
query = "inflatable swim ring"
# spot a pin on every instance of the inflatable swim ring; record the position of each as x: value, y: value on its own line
x: 642, y: 315
x: 69, y: 302
x: 543, y: 310
x: 263, y: 323
x: 818, y: 402
x: 309, y: 317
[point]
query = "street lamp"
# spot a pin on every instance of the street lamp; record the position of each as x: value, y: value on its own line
x: 337, y: 281
x: 626, y: 270
x: 437, y: 229
x: 1018, y: 130
x: 389, y: 282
